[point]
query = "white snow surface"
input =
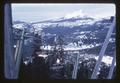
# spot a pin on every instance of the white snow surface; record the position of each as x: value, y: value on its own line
x: 18, y: 26
x: 43, y: 55
x: 106, y: 59
x: 70, y: 47
x: 65, y: 23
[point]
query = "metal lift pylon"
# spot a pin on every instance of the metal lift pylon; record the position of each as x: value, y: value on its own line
x: 11, y: 62
x: 101, y: 54
x: 74, y: 74
x: 8, y: 43
x: 19, y: 55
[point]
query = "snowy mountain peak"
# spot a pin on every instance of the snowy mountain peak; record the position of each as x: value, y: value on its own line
x: 78, y: 13
x: 81, y: 14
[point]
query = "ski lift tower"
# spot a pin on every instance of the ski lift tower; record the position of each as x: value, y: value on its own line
x: 12, y: 60
x: 102, y: 52
x: 8, y: 44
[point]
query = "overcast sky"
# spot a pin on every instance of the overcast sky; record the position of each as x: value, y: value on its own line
x: 40, y: 12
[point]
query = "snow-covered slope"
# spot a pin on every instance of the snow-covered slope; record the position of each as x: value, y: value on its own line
x: 75, y: 26
x: 75, y: 18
